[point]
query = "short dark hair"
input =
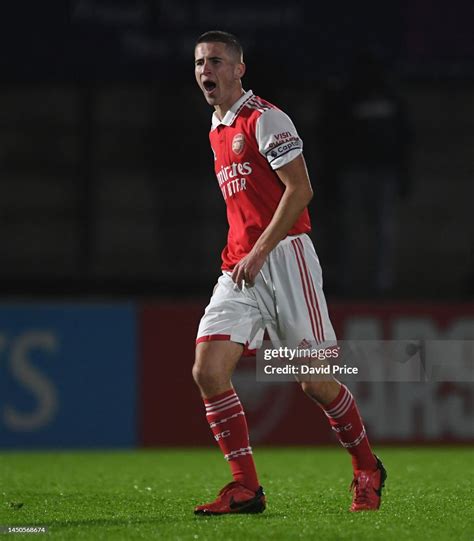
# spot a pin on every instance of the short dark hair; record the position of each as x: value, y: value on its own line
x: 218, y: 36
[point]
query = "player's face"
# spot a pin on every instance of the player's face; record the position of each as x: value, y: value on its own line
x: 218, y: 72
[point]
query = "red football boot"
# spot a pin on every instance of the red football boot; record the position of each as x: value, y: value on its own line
x: 367, y: 488
x: 234, y: 498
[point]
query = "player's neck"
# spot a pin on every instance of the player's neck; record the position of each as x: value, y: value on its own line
x: 222, y: 108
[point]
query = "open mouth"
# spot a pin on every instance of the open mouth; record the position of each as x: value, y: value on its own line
x: 209, y: 86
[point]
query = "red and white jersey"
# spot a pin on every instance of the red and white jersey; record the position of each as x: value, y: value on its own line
x: 252, y: 140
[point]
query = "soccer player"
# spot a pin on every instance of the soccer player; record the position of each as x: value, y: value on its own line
x: 271, y: 278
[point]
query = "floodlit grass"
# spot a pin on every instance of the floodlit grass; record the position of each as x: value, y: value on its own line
x: 151, y: 495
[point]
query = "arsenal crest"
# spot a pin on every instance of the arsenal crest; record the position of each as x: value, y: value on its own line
x: 238, y: 143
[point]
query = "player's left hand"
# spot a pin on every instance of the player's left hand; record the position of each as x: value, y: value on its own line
x: 247, y: 268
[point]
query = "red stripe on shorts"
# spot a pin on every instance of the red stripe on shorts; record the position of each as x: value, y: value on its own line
x: 212, y: 337
x: 303, y: 282
x: 314, y: 296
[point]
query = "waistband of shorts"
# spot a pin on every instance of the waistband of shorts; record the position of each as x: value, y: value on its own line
x: 281, y: 244
x: 290, y: 238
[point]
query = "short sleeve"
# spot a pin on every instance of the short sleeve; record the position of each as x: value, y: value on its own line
x: 277, y: 138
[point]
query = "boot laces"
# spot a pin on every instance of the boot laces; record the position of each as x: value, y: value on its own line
x: 361, y: 487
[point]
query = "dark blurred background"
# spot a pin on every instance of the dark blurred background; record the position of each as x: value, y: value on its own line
x: 112, y: 223
x: 107, y: 181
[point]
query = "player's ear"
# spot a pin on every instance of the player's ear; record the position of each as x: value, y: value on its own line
x: 240, y: 70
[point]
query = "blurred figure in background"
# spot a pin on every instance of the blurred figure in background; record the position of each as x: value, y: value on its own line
x: 366, y: 152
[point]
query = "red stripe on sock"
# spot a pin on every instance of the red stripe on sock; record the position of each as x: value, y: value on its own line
x: 349, y: 428
x: 230, y: 430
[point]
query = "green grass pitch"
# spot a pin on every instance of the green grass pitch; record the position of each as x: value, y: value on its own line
x: 151, y: 494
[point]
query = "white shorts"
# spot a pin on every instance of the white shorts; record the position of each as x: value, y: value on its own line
x: 287, y: 300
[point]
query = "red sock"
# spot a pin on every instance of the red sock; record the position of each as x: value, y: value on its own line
x: 226, y: 418
x: 346, y: 421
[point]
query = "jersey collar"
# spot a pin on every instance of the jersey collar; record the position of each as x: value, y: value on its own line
x: 232, y: 113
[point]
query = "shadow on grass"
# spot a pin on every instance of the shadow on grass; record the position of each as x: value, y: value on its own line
x: 268, y: 515
x: 107, y: 522
x: 190, y: 517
